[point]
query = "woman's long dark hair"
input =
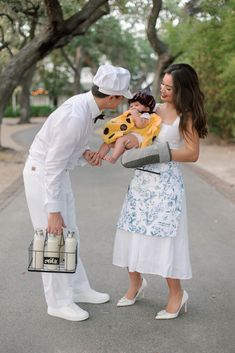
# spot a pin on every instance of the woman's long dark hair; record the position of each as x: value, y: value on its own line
x: 188, y: 98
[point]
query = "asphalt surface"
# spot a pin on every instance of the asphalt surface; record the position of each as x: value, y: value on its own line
x: 209, y: 325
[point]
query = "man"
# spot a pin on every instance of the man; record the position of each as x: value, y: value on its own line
x: 60, y: 145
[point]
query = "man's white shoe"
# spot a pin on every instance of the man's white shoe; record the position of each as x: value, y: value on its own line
x: 70, y: 312
x: 91, y: 296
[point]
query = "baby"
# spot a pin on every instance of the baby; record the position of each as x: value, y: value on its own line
x: 135, y: 128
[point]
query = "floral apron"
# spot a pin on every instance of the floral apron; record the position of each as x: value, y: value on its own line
x: 153, y: 202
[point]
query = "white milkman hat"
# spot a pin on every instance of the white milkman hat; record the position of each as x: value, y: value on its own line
x: 113, y: 80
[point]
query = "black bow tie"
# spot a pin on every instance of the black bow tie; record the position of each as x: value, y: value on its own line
x: 101, y: 116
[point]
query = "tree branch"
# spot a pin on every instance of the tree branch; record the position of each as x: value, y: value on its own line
x: 4, y: 45
x: 158, y: 46
x: 90, y: 13
x: 79, y: 23
x: 8, y: 17
x: 54, y: 13
x: 57, y: 34
x: 67, y: 59
x: 192, y: 7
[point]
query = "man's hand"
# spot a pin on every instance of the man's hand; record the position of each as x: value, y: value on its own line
x: 93, y: 158
x: 159, y: 152
x: 55, y: 223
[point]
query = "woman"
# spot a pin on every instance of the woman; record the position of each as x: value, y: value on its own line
x: 152, y: 228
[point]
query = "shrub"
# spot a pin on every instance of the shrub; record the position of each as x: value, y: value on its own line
x: 11, y: 113
x: 40, y: 110
x: 35, y: 110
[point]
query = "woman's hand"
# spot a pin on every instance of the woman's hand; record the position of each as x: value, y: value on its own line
x: 55, y: 223
x: 159, y: 152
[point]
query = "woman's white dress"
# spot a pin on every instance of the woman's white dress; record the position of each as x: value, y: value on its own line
x: 152, y: 235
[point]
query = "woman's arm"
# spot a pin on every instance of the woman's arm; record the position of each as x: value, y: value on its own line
x: 190, y: 150
x: 160, y: 152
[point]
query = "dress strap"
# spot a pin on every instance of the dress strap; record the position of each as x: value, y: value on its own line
x: 156, y: 106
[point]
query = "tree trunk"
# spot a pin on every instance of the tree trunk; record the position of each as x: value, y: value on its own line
x: 55, y: 101
x: 164, y: 55
x: 163, y: 62
x: 25, y: 95
x: 1, y: 114
x: 57, y: 34
x: 78, y: 69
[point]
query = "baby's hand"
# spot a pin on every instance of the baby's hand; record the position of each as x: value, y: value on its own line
x: 134, y: 112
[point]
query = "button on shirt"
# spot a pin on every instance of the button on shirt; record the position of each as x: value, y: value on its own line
x: 61, y: 142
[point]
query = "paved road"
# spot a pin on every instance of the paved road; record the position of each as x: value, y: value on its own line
x: 209, y: 325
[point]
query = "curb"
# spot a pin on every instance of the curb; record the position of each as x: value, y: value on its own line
x: 10, y: 192
x: 220, y: 185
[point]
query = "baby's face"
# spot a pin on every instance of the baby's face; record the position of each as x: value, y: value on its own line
x: 140, y: 107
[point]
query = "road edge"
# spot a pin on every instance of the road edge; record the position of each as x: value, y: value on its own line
x: 10, y: 192
x: 220, y: 185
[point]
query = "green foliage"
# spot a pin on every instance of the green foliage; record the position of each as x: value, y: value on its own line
x: 36, y: 110
x: 206, y: 41
x: 19, y: 23
x: 11, y: 113
x: 107, y: 39
x: 55, y: 77
x: 69, y: 6
x: 41, y: 110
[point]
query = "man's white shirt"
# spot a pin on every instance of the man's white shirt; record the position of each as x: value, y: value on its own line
x: 61, y: 142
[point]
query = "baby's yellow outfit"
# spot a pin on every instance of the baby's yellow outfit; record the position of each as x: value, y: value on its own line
x: 124, y: 124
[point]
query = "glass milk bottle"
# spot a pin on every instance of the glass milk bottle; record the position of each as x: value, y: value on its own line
x: 51, y: 259
x: 70, y: 251
x: 38, y: 248
x: 61, y: 249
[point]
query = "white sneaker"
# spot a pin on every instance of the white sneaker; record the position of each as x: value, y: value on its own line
x: 91, y: 296
x: 70, y: 312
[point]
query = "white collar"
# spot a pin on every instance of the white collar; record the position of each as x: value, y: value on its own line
x: 95, y: 111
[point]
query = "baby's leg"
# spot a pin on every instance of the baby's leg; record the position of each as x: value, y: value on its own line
x: 123, y: 143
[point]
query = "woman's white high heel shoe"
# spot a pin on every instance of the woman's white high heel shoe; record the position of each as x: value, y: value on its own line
x: 164, y: 315
x: 140, y: 294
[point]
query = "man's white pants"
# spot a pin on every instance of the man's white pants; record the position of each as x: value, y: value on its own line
x: 58, y: 288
